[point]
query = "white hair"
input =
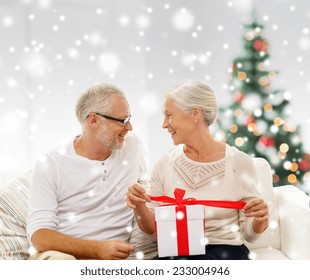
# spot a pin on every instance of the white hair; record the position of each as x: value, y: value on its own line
x: 192, y: 94
x: 95, y: 100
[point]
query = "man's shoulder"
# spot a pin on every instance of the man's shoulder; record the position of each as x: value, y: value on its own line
x: 59, y: 151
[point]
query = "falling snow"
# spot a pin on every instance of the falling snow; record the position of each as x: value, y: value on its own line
x: 51, y: 52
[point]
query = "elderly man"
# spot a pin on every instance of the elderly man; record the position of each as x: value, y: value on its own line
x: 77, y: 202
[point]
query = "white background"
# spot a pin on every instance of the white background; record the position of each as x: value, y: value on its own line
x: 256, y: 270
x: 51, y: 51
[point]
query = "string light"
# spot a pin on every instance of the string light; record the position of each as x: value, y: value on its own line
x: 242, y: 76
x: 292, y: 178
x: 239, y: 141
x: 284, y: 148
x: 278, y: 121
x: 238, y: 112
x: 263, y: 81
x: 268, y: 107
x: 251, y: 127
x: 233, y: 128
x: 249, y: 36
x: 294, y: 167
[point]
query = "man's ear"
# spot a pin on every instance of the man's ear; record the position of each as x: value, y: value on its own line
x: 92, y: 119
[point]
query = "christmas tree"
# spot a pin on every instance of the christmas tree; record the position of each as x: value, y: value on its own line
x: 257, y: 120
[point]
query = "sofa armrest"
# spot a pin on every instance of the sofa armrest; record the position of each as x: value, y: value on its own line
x: 294, y: 219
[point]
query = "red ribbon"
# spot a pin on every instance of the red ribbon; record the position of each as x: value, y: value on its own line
x: 181, y: 224
x: 178, y: 200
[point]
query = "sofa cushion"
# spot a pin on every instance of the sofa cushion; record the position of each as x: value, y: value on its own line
x: 145, y: 244
x: 270, y: 238
x: 14, y: 244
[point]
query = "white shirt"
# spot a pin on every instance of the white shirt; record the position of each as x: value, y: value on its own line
x: 86, y: 198
x: 231, y: 178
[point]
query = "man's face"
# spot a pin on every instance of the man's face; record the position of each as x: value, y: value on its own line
x: 112, y: 133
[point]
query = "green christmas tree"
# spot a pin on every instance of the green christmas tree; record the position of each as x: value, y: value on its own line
x: 257, y: 120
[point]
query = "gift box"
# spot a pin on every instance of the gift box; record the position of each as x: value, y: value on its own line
x: 180, y: 230
x: 180, y: 223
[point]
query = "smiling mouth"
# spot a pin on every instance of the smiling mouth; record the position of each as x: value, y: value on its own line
x: 172, y: 133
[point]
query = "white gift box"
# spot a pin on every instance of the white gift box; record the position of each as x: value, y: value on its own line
x: 166, y: 230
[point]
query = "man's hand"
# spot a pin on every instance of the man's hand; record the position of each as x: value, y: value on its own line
x: 115, y: 250
x: 257, y: 209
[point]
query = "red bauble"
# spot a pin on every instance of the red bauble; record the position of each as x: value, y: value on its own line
x: 266, y: 141
x: 304, y: 165
x: 250, y: 120
x: 260, y: 45
x: 238, y: 96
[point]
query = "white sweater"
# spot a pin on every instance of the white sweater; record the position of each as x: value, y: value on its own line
x: 231, y: 178
x: 86, y: 198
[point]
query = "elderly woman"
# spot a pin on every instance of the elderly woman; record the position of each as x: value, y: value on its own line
x: 207, y: 169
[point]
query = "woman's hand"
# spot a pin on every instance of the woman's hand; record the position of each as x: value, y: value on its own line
x: 136, y: 196
x: 136, y: 199
x: 257, y: 209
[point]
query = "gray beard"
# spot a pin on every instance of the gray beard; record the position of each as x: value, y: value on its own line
x: 109, y: 141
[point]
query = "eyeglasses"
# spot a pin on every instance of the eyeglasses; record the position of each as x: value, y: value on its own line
x: 123, y: 121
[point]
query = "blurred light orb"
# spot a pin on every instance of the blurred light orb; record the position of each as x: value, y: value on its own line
x: 109, y: 62
x: 243, y: 5
x: 95, y: 39
x: 32, y: 251
x: 251, y: 102
x: 11, y: 82
x: 183, y: 19
x: 140, y: 255
x: 124, y: 20
x: 150, y: 104
x: 73, y: 53
x: 304, y: 43
x: 7, y: 21
x: 203, y: 59
x: 143, y: 21
x: 188, y: 59
x: 10, y: 124
x: 34, y: 127
x: 36, y: 64
x: 44, y: 4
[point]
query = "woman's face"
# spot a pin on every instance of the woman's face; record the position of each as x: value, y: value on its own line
x: 177, y: 122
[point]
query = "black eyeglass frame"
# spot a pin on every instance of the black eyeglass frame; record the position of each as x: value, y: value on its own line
x: 123, y: 121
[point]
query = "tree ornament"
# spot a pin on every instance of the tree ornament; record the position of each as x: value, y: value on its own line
x: 304, y: 165
x: 260, y: 113
x: 258, y: 45
x: 238, y: 96
x: 251, y: 119
x: 266, y: 141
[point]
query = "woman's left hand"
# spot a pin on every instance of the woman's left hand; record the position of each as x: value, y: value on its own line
x: 257, y: 209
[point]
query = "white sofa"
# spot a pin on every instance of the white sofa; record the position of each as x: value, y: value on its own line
x: 288, y: 236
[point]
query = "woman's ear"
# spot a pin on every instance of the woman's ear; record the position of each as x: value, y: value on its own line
x: 196, y: 113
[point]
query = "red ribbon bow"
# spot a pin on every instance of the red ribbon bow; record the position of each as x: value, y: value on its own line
x: 178, y: 200
x: 181, y: 224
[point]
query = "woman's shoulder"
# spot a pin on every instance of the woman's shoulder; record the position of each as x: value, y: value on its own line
x: 171, y: 155
x: 240, y: 158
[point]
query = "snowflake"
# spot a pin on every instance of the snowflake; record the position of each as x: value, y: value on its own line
x: 183, y: 19
x: 140, y: 255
